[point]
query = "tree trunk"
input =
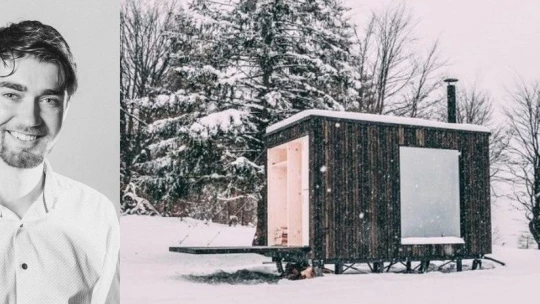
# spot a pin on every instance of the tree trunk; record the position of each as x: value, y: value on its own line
x: 260, y: 238
x: 534, y: 224
x: 534, y: 227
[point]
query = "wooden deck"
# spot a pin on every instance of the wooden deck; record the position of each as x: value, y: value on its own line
x: 281, y: 252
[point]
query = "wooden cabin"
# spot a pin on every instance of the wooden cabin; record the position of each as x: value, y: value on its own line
x: 359, y: 188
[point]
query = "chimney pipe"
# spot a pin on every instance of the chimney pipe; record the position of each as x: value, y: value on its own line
x: 451, y: 95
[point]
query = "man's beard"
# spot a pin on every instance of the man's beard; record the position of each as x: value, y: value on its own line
x: 24, y: 158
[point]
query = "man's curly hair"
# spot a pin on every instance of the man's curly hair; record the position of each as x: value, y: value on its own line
x: 40, y: 41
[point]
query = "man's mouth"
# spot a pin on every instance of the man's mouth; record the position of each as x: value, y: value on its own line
x: 23, y: 136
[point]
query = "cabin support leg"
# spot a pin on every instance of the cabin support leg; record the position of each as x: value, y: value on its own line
x: 338, y: 268
x: 351, y: 266
x: 408, y: 266
x: 390, y: 266
x: 279, y: 265
x: 424, y: 266
x: 476, y: 263
x: 378, y: 267
x: 318, y: 266
x: 494, y: 260
x: 459, y: 265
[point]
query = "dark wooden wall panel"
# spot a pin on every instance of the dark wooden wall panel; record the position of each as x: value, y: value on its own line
x: 292, y: 132
x: 315, y: 212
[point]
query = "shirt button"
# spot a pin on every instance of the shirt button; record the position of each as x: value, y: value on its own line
x: 21, y: 225
x: 24, y: 266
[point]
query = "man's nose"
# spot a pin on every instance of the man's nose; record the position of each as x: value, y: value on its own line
x: 28, y: 113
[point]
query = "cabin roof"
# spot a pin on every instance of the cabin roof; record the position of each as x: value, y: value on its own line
x: 375, y: 118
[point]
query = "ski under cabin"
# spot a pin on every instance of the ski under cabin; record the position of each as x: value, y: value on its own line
x: 361, y: 188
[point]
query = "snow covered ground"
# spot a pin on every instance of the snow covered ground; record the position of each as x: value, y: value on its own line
x: 152, y: 274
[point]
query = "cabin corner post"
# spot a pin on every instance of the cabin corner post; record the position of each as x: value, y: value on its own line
x: 313, y: 180
x: 488, y: 245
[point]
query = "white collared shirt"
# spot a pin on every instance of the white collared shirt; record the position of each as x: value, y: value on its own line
x: 63, y: 250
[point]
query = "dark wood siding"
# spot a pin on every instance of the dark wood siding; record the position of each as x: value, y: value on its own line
x: 355, y: 202
x: 300, y: 129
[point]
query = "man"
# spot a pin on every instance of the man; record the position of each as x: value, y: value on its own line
x: 59, y: 239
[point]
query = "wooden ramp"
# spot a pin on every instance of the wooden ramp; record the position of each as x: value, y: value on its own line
x: 280, y: 252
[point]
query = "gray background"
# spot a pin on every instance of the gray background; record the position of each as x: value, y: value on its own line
x: 88, y: 149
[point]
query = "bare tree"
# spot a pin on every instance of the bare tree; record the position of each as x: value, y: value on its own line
x: 475, y: 106
x: 144, y: 46
x: 366, y: 91
x: 395, y: 78
x: 524, y: 120
x: 414, y: 101
x: 144, y: 61
x: 393, y: 65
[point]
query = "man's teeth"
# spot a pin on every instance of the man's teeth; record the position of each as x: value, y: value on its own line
x: 23, y: 137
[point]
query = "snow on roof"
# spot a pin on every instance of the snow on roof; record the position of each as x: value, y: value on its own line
x: 376, y: 118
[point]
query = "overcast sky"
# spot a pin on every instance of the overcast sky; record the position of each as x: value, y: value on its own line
x: 491, y: 42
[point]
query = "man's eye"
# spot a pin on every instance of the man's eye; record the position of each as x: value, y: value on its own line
x: 50, y: 102
x: 11, y: 96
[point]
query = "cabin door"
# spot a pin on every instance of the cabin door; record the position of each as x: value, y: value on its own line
x: 288, y: 194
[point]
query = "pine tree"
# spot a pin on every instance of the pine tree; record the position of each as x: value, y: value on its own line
x: 200, y: 126
x: 295, y: 55
x: 236, y: 68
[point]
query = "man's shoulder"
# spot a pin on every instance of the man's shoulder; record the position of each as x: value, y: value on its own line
x: 81, y: 195
x: 70, y: 186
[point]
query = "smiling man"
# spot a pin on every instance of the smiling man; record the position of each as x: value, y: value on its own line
x: 59, y: 239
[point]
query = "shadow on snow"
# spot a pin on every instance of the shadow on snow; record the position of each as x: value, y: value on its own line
x: 240, y: 277
x: 250, y: 277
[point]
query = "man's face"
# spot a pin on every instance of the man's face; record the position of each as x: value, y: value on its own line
x: 31, y: 111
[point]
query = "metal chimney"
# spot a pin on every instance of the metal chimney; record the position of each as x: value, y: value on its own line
x: 451, y: 94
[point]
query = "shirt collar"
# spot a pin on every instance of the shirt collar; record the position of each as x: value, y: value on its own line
x: 50, y: 188
x: 45, y: 202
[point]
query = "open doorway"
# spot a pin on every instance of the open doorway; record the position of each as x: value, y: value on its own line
x: 288, y: 194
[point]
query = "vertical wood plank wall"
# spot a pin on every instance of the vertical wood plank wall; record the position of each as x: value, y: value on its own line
x: 355, y: 200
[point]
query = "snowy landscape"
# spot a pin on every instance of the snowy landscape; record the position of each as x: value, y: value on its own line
x: 152, y: 274
x: 203, y: 81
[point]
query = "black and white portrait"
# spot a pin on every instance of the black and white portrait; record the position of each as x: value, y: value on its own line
x: 59, y: 230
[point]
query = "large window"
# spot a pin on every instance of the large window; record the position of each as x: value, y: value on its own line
x: 429, y: 196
